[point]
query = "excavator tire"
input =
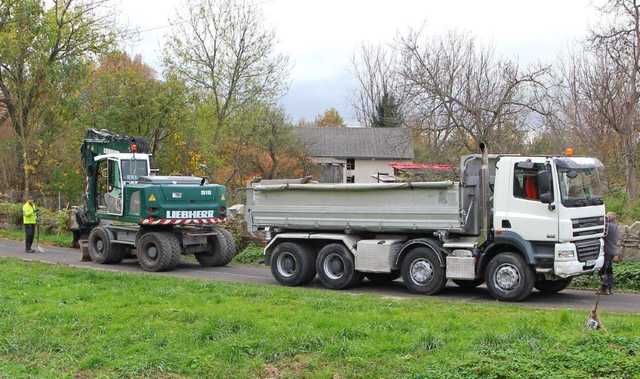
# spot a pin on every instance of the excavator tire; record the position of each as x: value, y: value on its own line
x: 101, y: 249
x: 158, y: 251
x: 222, y: 249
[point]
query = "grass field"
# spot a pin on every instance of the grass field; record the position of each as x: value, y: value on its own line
x: 57, y: 321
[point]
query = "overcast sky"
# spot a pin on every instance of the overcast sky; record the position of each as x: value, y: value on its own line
x: 321, y: 36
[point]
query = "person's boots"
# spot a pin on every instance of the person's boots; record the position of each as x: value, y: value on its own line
x: 604, y: 291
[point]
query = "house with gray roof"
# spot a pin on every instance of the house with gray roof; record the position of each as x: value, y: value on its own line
x: 356, y: 155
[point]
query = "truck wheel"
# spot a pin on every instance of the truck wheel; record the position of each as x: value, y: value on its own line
x: 292, y: 264
x: 552, y: 286
x: 158, y: 251
x: 382, y: 277
x: 422, y: 272
x: 509, y: 278
x: 222, y: 249
x: 100, y: 248
x: 468, y: 284
x: 336, y: 267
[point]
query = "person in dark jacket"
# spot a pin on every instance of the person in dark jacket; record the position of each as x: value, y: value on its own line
x: 610, y: 254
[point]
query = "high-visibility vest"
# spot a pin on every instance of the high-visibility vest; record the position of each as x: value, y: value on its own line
x: 29, y: 213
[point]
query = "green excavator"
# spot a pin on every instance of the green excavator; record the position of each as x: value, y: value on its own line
x: 128, y: 211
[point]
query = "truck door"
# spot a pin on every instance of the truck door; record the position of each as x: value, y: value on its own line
x: 114, y: 195
x: 529, y: 213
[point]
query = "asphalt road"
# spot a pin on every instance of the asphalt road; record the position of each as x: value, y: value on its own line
x: 576, y: 299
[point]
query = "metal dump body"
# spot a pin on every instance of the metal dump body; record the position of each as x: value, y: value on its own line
x: 388, y: 207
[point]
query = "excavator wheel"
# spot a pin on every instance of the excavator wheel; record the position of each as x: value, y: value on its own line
x: 222, y: 249
x: 101, y: 249
x: 158, y: 251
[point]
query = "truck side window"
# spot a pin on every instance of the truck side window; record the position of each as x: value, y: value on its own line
x: 525, y: 181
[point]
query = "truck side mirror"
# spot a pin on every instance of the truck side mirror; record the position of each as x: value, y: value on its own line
x: 546, y: 198
x: 545, y: 186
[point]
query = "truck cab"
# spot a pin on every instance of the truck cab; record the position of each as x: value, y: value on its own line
x: 553, y: 204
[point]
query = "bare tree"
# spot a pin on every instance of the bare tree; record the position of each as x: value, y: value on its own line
x: 222, y: 48
x: 39, y: 44
x: 456, y: 84
x: 379, y: 85
x: 615, y: 78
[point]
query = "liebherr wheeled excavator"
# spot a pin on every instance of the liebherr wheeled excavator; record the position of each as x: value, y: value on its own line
x: 159, y: 218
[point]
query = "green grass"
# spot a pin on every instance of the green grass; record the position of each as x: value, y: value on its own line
x: 626, y: 276
x: 62, y: 239
x: 63, y: 322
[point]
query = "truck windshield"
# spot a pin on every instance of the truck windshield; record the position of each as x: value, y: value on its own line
x: 580, y: 187
x: 132, y: 169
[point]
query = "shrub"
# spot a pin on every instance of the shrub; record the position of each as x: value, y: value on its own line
x: 626, y: 274
x: 49, y: 221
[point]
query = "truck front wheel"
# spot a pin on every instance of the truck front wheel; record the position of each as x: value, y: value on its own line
x: 552, y: 286
x: 422, y: 272
x: 292, y: 264
x: 158, y: 251
x: 509, y: 278
x: 336, y: 267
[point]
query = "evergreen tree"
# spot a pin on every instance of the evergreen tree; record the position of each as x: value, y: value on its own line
x: 387, y: 114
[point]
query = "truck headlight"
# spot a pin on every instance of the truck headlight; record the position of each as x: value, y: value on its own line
x: 566, y: 253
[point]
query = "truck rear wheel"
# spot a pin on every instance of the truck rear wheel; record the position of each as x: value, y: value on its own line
x: 292, y: 264
x: 422, y: 272
x: 552, y: 286
x: 509, y: 278
x: 158, y: 251
x: 222, y: 249
x: 336, y: 267
x: 101, y: 249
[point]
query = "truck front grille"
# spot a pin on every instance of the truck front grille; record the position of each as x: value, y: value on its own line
x: 588, y: 232
x: 586, y: 222
x: 588, y: 249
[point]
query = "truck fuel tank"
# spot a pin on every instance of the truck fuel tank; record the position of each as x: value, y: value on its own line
x: 377, y: 255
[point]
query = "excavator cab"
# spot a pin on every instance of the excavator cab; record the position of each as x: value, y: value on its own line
x: 116, y: 172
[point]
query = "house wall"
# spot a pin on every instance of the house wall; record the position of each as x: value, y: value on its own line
x: 366, y: 169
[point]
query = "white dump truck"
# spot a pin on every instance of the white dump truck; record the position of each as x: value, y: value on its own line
x: 512, y: 222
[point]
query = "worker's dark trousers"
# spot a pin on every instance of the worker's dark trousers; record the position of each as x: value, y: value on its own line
x: 29, y: 232
x: 606, y: 273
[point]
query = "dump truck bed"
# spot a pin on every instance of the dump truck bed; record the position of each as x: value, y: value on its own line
x: 387, y: 207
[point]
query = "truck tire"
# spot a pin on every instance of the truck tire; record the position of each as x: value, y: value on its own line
x: 422, y: 272
x: 552, y: 286
x: 222, y: 249
x: 382, y: 277
x: 336, y: 267
x: 468, y: 284
x: 158, y: 251
x: 292, y: 264
x: 509, y: 277
x: 101, y: 249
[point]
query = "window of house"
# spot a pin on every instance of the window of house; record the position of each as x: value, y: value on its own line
x: 351, y: 179
x: 525, y: 180
x: 351, y: 164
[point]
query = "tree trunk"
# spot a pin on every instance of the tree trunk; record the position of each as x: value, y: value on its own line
x: 631, y: 164
x: 25, y: 169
